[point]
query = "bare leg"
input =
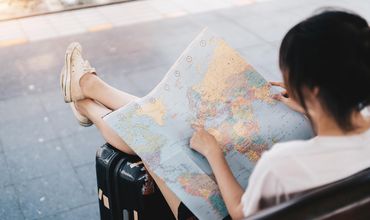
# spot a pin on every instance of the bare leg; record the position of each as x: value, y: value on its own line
x: 95, y: 88
x: 171, y: 199
x: 95, y: 112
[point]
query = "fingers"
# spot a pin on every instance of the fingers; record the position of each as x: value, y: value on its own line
x: 198, y: 131
x: 197, y: 127
x: 284, y: 93
x: 277, y: 96
x: 280, y: 84
x: 291, y: 104
x: 281, y: 98
x: 192, y: 141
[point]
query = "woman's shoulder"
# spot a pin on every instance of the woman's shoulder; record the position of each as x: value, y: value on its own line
x: 283, y: 154
x: 289, y: 148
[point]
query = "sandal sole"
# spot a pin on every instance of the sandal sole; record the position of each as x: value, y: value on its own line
x: 82, y: 120
x: 66, y: 72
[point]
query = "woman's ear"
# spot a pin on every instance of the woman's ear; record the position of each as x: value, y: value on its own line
x: 311, y: 96
x: 311, y: 93
x: 315, y: 91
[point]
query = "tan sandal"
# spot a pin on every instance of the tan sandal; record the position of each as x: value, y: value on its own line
x: 74, y: 68
x: 82, y: 120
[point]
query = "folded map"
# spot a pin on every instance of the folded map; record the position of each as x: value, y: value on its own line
x: 212, y: 85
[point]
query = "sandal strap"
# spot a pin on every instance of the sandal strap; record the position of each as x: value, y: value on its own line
x: 88, y: 68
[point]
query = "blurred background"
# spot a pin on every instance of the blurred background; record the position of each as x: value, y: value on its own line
x: 10, y: 9
x: 47, y: 168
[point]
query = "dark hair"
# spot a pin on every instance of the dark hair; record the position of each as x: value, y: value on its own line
x: 330, y: 51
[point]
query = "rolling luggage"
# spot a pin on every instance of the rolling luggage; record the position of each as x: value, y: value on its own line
x: 106, y: 160
x: 126, y: 191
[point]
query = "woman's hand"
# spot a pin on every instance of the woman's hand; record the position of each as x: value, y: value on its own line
x: 284, y: 98
x: 203, y: 142
x: 231, y: 191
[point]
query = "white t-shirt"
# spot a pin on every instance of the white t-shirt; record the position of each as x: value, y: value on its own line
x: 296, y: 166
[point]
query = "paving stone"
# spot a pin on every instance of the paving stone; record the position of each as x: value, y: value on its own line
x: 4, y: 171
x: 178, y: 29
x: 26, y: 131
x: 38, y: 160
x: 266, y: 8
x: 9, y: 207
x: 65, y: 23
x: 167, y: 8
x: 1, y: 147
x: 11, y: 87
x: 89, y: 18
x: 11, y: 69
x: 43, y: 81
x: 90, y: 212
x: 148, y: 79
x: 11, y: 30
x: 37, y: 28
x: 36, y: 59
x: 53, y: 100
x: 233, y: 33
x: 207, y: 17
x: 51, y: 194
x: 87, y: 175
x: 143, y: 59
x: 64, y: 123
x: 361, y: 7
x: 234, y: 12
x: 81, y: 147
x: 116, y: 76
x: 264, y: 59
x: 135, y: 12
x: 123, y: 83
x: 20, y: 106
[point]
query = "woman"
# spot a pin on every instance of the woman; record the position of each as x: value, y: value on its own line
x: 325, y: 62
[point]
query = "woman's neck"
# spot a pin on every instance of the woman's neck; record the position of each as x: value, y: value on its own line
x: 326, y: 126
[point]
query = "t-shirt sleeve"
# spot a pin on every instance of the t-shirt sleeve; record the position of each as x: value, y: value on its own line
x: 366, y: 112
x: 262, y: 183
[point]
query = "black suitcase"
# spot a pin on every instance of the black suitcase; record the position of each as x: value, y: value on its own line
x: 136, y: 192
x: 126, y: 190
x: 106, y: 160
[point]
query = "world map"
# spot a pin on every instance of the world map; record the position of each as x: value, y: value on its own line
x: 212, y: 85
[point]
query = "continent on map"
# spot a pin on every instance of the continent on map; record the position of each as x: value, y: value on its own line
x: 154, y: 109
x: 228, y: 90
x: 147, y: 143
x: 202, y: 185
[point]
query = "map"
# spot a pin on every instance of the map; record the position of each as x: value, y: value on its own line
x: 212, y: 85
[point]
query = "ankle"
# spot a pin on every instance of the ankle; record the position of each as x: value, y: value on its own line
x: 87, y: 81
x: 82, y: 106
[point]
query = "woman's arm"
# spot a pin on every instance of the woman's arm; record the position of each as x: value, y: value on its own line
x: 284, y: 98
x: 231, y: 191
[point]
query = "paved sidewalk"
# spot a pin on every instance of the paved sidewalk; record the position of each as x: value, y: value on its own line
x: 46, y: 160
x: 11, y: 9
x: 25, y: 30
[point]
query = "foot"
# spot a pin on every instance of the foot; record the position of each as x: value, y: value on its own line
x: 88, y: 110
x: 80, y: 114
x: 74, y: 68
